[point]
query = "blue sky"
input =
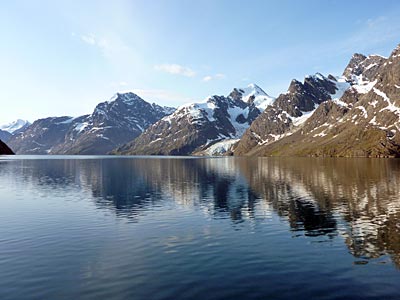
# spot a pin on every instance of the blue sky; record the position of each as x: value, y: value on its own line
x: 63, y: 57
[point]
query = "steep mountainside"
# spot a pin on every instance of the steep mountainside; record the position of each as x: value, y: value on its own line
x: 363, y: 122
x: 290, y: 110
x: 194, y: 127
x: 5, y: 135
x: 112, y: 124
x: 4, y: 149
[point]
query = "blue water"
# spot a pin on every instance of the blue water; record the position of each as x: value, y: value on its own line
x: 199, y: 228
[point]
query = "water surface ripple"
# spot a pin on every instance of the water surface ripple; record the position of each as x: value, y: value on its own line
x: 199, y: 228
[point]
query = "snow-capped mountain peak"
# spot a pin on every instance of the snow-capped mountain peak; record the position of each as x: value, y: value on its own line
x: 253, y: 94
x: 15, y: 125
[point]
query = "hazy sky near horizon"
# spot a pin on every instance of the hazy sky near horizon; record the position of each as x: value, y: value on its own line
x: 64, y: 57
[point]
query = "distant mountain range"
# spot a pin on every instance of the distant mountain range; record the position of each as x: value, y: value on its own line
x: 112, y: 124
x: 10, y: 129
x: 360, y: 119
x: 15, y: 126
x: 195, y: 127
x: 355, y: 114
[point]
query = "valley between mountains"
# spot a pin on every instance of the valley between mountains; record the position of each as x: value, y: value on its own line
x: 356, y: 114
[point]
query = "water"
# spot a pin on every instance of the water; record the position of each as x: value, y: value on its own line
x: 199, y: 228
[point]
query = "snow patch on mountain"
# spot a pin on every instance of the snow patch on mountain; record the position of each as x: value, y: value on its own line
x: 341, y: 87
x: 391, y: 106
x: 256, y: 94
x: 79, y: 127
x: 198, y: 112
x: 220, y: 148
x: 15, y: 125
x: 304, y: 117
x: 362, y: 85
x: 234, y: 113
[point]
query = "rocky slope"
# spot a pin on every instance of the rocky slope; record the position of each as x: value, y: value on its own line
x: 111, y: 124
x: 290, y: 110
x: 5, y: 135
x: 360, y: 119
x: 4, y: 149
x: 7, y: 131
x: 197, y: 127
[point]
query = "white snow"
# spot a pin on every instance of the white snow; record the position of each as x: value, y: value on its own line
x: 156, y: 140
x: 275, y: 137
x: 81, y: 126
x: 261, y: 99
x: 321, y: 134
x: 362, y: 85
x: 362, y: 108
x: 140, y: 127
x: 341, y: 86
x: 196, y: 111
x: 391, y: 107
x: 341, y: 103
x: 113, y: 98
x: 371, y: 66
x: 374, y: 103
x: 304, y: 117
x: 202, y: 111
x: 378, y: 55
x: 234, y: 112
x: 67, y: 121
x: 14, y: 126
x: 221, y: 147
x: 93, y: 129
x: 102, y: 136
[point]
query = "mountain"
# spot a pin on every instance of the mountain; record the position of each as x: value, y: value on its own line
x: 15, y: 126
x: 362, y: 118
x: 4, y: 149
x: 112, y: 124
x: 5, y: 135
x: 196, y: 127
x: 290, y: 110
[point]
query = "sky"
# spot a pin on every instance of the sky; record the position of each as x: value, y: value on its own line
x: 62, y: 58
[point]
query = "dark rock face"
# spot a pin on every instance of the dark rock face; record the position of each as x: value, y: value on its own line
x: 288, y: 110
x: 354, y: 67
x: 367, y: 66
x: 4, y: 149
x: 41, y: 136
x: 112, y: 124
x: 194, y: 127
x: 363, y: 122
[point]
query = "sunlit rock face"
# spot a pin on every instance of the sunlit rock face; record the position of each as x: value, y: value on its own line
x: 362, y: 118
x: 112, y: 124
x: 210, y: 127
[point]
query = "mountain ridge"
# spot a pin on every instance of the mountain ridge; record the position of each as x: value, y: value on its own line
x: 112, y: 123
x: 194, y: 127
x: 354, y: 114
x: 363, y: 122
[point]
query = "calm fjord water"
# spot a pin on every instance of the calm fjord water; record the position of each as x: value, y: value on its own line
x: 199, y: 228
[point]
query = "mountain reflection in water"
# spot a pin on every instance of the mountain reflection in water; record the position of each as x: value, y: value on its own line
x: 357, y: 199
